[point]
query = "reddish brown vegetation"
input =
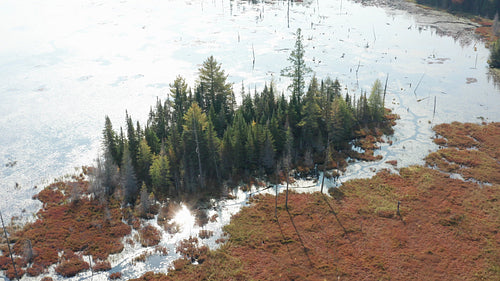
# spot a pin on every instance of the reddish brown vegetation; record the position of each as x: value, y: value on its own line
x: 485, y: 29
x: 392, y: 162
x: 444, y: 229
x: 190, y: 250
x: 204, y: 234
x: 115, y: 275
x: 72, y: 266
x: 101, y: 266
x: 149, y: 236
x: 472, y: 150
x: 82, y: 225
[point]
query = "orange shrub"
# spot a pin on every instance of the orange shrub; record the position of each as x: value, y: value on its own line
x: 87, y: 225
x: 72, y: 267
x: 49, y: 195
x: 149, y: 236
x: 115, y: 275
x: 35, y: 269
x: 11, y: 274
x: 4, y: 262
x: 204, y: 234
x: 190, y: 250
x: 101, y: 266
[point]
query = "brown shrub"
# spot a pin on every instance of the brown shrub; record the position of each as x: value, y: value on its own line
x: 87, y: 225
x: 4, y: 262
x: 162, y: 250
x: 101, y: 266
x: 150, y: 236
x: 180, y: 264
x: 115, y: 275
x: 189, y: 249
x: 35, y: 270
x: 204, y: 234
x: 72, y: 267
x: 50, y: 195
x: 11, y: 273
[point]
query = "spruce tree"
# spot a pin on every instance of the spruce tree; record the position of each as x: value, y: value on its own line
x: 214, y: 90
x: 179, y: 95
x: 160, y: 175
x: 375, y: 103
x: 193, y: 136
x: 298, y: 69
x: 110, y: 144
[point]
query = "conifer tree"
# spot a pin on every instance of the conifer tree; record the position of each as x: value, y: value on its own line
x: 213, y: 145
x: 375, y: 103
x: 129, y: 180
x: 298, y: 69
x: 160, y: 175
x: 267, y: 152
x: 239, y: 141
x: 152, y: 140
x: 195, y: 123
x: 179, y: 95
x: 144, y: 160
x: 133, y: 142
x: 310, y: 123
x: 110, y: 141
x: 227, y: 153
x: 214, y: 90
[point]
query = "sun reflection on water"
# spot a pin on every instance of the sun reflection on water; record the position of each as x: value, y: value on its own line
x: 183, y: 218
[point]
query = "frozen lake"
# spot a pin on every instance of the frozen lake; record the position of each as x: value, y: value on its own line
x: 64, y: 65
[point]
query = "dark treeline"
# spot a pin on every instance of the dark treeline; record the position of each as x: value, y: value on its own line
x: 199, y: 139
x: 484, y: 8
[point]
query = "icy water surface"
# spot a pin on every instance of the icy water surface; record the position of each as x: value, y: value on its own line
x: 64, y: 65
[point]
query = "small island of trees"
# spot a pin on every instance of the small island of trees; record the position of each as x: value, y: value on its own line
x: 199, y: 141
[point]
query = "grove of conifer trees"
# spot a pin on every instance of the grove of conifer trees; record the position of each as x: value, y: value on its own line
x: 484, y: 8
x: 200, y: 140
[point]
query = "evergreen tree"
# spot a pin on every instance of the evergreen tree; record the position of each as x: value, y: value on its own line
x: 133, y: 141
x: 174, y: 152
x: 311, y: 122
x: 110, y: 141
x: 363, y: 110
x: 160, y: 176
x: 179, y: 95
x: 267, y: 152
x: 277, y: 134
x: 239, y: 141
x: 340, y: 124
x: 375, y: 103
x: 144, y: 160
x: 152, y: 140
x: 247, y: 108
x: 214, y: 90
x: 195, y: 123
x: 298, y: 69
x: 129, y: 180
x: 213, y: 145
x: 227, y: 153
x: 145, y: 202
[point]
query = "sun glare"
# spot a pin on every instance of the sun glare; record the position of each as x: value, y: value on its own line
x: 184, y: 218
